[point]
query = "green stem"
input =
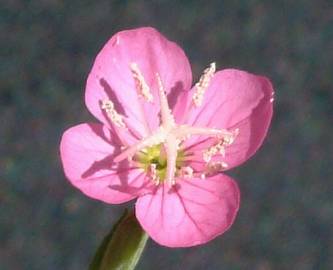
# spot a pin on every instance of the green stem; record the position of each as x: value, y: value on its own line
x: 122, y: 247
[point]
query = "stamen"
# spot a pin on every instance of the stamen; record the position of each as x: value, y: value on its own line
x: 203, y: 84
x: 140, y: 83
x: 219, y: 147
x: 167, y: 118
x: 153, y: 174
x: 217, y: 166
x: 230, y: 138
x: 114, y: 116
x: 186, y: 172
x: 184, y: 132
x: 213, y: 150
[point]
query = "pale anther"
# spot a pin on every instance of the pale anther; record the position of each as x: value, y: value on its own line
x: 153, y: 174
x: 217, y: 166
x: 187, y: 172
x: 203, y: 83
x: 219, y: 147
x: 230, y: 138
x: 114, y: 116
x: 140, y: 83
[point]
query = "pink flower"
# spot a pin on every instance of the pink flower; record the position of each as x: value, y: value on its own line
x: 161, y: 141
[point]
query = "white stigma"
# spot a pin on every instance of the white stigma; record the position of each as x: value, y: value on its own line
x: 203, y: 84
x: 140, y: 83
x: 114, y: 116
x: 167, y: 119
x: 169, y: 135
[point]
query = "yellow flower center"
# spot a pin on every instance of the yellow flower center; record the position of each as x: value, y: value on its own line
x: 154, y: 158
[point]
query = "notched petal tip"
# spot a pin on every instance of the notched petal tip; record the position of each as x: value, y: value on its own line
x: 152, y: 53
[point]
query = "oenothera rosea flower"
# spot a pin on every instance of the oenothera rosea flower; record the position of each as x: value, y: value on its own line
x: 164, y: 142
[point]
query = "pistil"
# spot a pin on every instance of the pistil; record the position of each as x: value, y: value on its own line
x: 169, y: 136
x: 167, y: 119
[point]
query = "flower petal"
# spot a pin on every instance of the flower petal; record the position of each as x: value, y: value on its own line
x: 191, y: 213
x: 87, y: 151
x: 235, y: 100
x: 111, y: 77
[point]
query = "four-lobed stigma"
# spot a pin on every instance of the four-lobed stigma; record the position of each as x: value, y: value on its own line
x: 161, y: 153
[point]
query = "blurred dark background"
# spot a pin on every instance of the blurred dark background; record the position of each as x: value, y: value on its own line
x: 47, y: 49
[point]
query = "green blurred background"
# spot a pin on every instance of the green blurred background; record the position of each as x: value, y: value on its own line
x: 47, y: 49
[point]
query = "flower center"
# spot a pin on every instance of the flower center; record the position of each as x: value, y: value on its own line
x: 160, y: 153
x: 154, y: 162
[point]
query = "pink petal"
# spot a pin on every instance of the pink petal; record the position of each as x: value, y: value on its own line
x: 235, y: 99
x: 111, y: 77
x: 191, y: 213
x: 181, y: 105
x: 87, y: 151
